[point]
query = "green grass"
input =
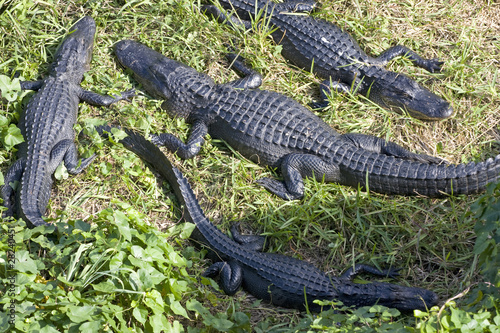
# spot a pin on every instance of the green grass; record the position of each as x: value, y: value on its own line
x: 333, y: 226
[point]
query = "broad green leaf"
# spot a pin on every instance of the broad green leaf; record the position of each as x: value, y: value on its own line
x: 8, y: 88
x: 117, y: 260
x: 49, y: 328
x: 25, y: 264
x: 177, y: 307
x: 4, y: 121
x: 79, y: 314
x: 140, y: 313
x: 159, y: 323
x: 123, y: 225
x: 105, y: 286
x: 12, y: 136
x: 91, y: 326
x: 4, y: 322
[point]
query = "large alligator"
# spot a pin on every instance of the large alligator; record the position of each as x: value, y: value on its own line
x: 47, y: 126
x: 274, y: 130
x: 275, y: 278
x: 332, y: 54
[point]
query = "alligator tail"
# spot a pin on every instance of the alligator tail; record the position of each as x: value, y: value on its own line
x: 392, y: 175
x: 31, y: 198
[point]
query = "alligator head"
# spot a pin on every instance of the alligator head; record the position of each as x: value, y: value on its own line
x: 164, y: 78
x: 403, y: 298
x: 75, y: 52
x: 398, y: 92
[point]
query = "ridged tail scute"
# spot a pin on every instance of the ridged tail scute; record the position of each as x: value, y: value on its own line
x: 391, y: 175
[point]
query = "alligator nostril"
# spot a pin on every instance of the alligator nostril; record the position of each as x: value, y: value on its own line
x: 447, y: 112
x: 121, y: 45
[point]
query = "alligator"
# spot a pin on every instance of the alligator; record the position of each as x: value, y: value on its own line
x: 47, y: 126
x: 332, y: 54
x: 281, y: 280
x: 274, y: 130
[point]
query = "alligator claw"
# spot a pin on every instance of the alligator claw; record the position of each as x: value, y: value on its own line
x: 318, y: 106
x: 434, y: 65
x: 392, y: 272
x: 278, y: 188
x: 125, y: 96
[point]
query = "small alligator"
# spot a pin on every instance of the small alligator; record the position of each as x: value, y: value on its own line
x: 274, y: 130
x: 333, y: 55
x: 47, y: 126
x: 275, y: 278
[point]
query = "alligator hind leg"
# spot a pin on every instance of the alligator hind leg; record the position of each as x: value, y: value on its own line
x: 431, y: 65
x: 66, y: 150
x: 250, y: 80
x: 103, y: 100
x: 230, y: 273
x: 31, y: 85
x: 251, y: 242
x: 14, y: 174
x: 184, y: 151
x: 294, y: 168
x: 381, y: 146
x: 351, y: 273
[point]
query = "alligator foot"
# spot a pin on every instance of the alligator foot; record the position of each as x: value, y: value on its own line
x: 66, y: 150
x: 230, y: 275
x: 250, y: 80
x: 231, y: 20
x: 184, y: 151
x: 103, y: 100
x: 278, y: 188
x: 352, y: 272
x: 251, y: 242
x: 294, y: 168
x: 318, y: 106
x: 326, y: 88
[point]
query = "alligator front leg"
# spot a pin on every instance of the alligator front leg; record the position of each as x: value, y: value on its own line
x: 66, y: 151
x: 31, y: 85
x: 431, y: 65
x: 381, y: 146
x: 352, y: 272
x: 294, y: 168
x: 103, y: 100
x: 14, y: 174
x: 250, y: 78
x: 185, y: 151
x: 334, y: 82
x: 233, y: 20
x: 230, y: 273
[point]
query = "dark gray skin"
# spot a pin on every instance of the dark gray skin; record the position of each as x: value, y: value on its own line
x: 274, y: 130
x: 47, y: 126
x: 275, y: 278
x: 335, y: 56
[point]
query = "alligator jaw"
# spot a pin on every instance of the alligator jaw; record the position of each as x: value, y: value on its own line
x: 399, y: 92
x: 403, y: 298
x: 150, y: 68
